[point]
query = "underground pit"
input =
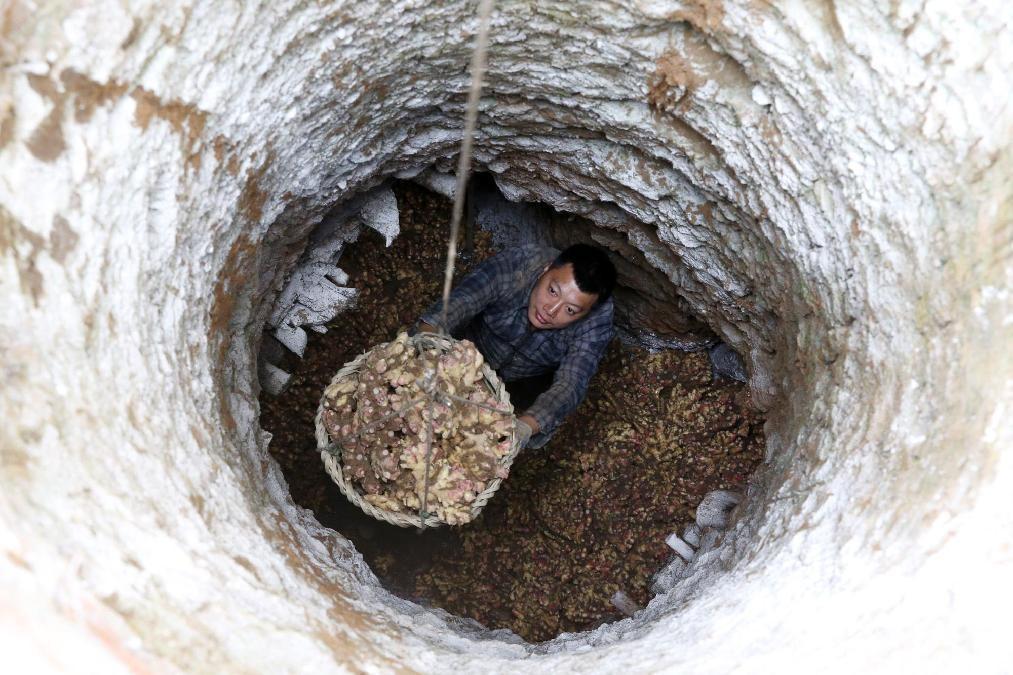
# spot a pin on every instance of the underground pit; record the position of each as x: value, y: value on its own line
x: 578, y: 521
x: 827, y: 186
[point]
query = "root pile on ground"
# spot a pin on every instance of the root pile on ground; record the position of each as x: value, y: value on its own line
x: 388, y: 416
x: 588, y: 515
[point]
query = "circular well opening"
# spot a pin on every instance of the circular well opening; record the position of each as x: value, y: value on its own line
x: 576, y: 537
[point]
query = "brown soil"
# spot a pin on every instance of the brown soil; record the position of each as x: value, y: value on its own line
x: 577, y: 520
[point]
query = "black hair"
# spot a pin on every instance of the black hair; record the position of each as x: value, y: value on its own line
x: 592, y: 269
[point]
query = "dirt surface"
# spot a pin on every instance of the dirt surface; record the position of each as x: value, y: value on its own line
x: 577, y: 520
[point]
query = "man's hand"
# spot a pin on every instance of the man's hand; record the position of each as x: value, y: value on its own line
x: 526, y: 426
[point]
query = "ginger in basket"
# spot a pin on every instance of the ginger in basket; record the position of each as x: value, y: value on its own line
x: 385, y: 459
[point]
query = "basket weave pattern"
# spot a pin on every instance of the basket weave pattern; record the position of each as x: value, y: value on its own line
x: 330, y: 453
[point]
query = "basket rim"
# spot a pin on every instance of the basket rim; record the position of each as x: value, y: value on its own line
x: 330, y: 451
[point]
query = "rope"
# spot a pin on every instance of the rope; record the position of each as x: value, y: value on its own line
x: 477, y: 69
x: 478, y: 60
x: 464, y: 160
x: 425, y: 481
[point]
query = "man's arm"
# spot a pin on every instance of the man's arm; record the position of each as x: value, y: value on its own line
x: 476, y: 291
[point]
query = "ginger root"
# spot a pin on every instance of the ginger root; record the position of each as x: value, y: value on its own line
x: 386, y: 460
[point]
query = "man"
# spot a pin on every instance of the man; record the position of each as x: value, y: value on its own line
x: 531, y: 311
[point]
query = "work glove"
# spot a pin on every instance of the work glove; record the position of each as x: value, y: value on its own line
x: 421, y: 326
x: 522, y: 432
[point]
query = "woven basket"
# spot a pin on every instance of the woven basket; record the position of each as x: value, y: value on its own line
x: 330, y: 453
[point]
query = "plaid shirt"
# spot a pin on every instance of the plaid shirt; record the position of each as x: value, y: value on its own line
x: 491, y: 303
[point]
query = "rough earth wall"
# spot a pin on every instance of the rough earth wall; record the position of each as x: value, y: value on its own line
x: 828, y: 187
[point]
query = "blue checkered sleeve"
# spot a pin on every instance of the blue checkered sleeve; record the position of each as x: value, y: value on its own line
x: 476, y: 291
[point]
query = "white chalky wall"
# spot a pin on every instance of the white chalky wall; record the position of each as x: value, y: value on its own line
x: 828, y: 186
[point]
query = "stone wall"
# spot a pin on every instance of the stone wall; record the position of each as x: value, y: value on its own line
x: 826, y: 186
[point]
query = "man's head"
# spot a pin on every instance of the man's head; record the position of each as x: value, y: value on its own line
x: 578, y: 279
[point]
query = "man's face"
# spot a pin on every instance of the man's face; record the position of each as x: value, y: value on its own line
x: 556, y: 302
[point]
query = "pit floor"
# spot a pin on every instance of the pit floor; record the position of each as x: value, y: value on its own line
x: 577, y: 520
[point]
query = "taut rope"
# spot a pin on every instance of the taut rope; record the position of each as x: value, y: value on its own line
x: 478, y: 59
x: 477, y: 69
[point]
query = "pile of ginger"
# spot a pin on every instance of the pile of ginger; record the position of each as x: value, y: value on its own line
x: 386, y: 462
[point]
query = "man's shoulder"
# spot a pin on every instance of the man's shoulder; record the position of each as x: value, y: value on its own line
x: 597, y: 325
x: 517, y: 265
x: 600, y: 317
x: 533, y: 254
